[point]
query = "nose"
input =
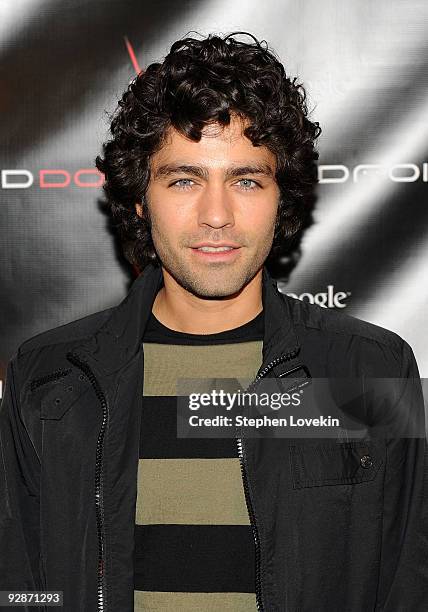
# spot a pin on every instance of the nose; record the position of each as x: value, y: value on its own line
x: 215, y: 207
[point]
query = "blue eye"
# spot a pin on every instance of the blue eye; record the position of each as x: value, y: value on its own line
x: 183, y: 183
x: 248, y: 184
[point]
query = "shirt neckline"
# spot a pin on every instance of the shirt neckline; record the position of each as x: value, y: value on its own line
x: 250, y: 329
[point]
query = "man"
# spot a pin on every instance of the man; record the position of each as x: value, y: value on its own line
x: 209, y: 172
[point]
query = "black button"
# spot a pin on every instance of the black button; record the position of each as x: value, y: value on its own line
x: 366, y: 461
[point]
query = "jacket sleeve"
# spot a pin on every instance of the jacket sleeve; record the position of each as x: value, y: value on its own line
x: 403, y: 578
x: 19, y: 496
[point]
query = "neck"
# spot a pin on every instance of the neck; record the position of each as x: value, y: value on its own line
x: 183, y: 311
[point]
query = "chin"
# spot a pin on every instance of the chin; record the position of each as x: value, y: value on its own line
x: 216, y: 293
x: 221, y: 284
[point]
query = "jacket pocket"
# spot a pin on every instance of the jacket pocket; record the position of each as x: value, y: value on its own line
x: 324, y: 463
x: 57, y: 395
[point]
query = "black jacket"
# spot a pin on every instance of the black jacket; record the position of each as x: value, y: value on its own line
x: 331, y: 534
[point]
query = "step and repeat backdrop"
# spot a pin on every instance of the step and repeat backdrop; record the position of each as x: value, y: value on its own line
x: 364, y: 65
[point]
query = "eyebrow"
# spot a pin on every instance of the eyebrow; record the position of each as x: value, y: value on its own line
x: 202, y: 172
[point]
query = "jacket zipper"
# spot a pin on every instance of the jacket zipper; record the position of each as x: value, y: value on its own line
x: 101, y: 579
x: 241, y: 454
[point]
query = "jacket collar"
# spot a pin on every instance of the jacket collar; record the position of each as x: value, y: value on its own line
x: 120, y: 337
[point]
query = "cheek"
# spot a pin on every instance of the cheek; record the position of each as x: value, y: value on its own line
x: 259, y: 219
x: 169, y: 220
x: 173, y: 219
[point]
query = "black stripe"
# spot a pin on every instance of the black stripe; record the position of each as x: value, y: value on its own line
x: 158, y: 438
x: 157, y: 332
x: 194, y: 558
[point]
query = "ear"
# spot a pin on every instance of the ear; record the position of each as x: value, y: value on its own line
x: 139, y: 209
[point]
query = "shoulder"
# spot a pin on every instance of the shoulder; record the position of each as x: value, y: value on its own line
x: 46, y: 351
x: 69, y: 333
x: 331, y: 321
x: 339, y: 337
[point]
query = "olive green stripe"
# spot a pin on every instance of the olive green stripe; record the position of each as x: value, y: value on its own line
x: 154, y: 601
x: 190, y: 492
x: 165, y: 363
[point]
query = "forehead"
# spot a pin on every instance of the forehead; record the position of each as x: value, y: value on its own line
x: 219, y: 145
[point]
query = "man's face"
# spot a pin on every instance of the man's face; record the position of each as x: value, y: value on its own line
x: 218, y: 191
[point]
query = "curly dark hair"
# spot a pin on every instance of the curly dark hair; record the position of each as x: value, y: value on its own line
x: 202, y: 81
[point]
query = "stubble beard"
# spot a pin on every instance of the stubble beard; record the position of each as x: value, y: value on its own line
x: 211, y: 280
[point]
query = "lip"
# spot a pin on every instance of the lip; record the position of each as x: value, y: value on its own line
x: 216, y: 244
x: 221, y: 256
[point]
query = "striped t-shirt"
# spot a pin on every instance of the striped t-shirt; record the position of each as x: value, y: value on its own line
x: 194, y: 547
